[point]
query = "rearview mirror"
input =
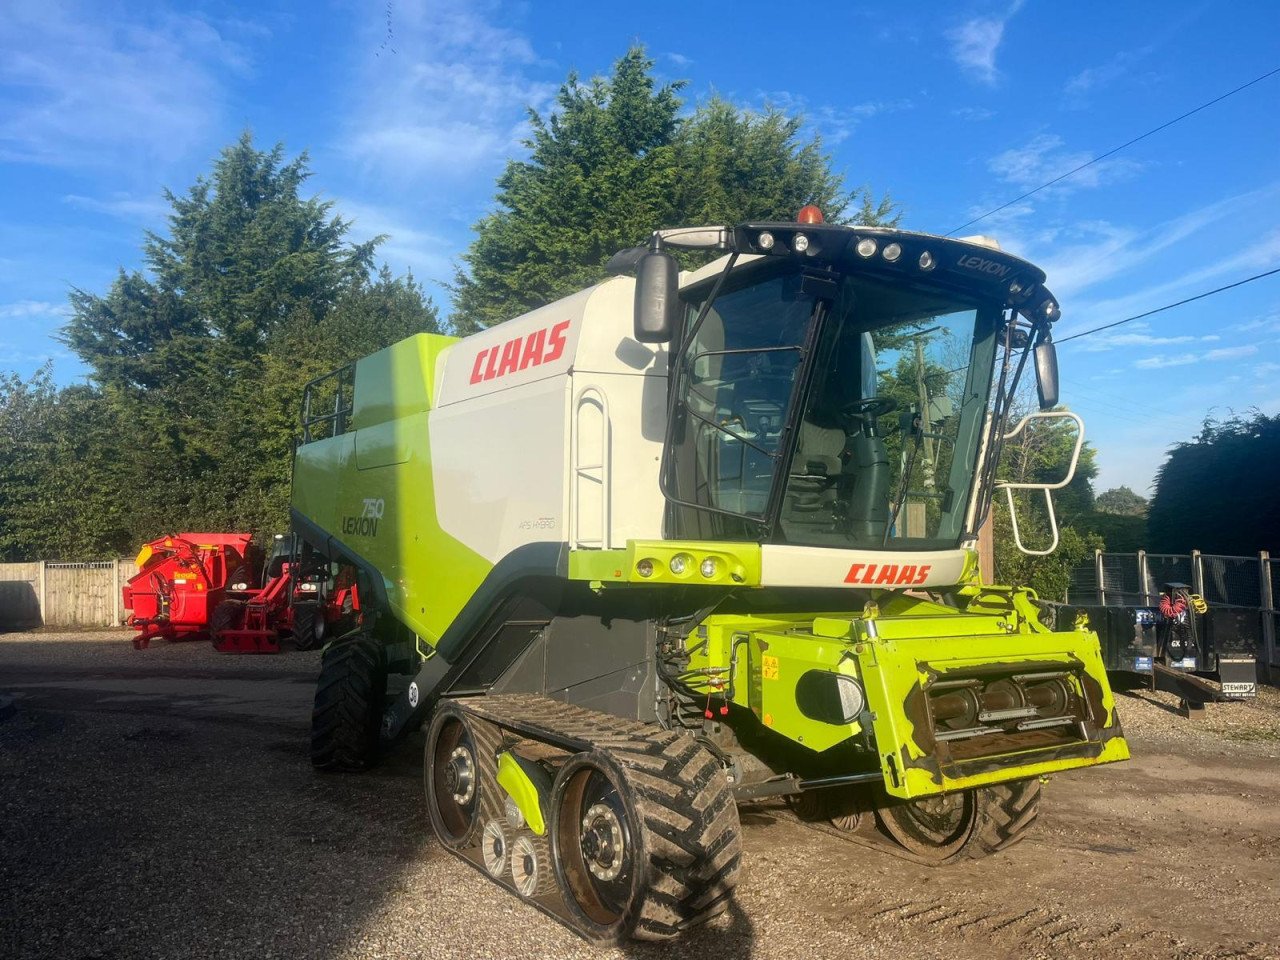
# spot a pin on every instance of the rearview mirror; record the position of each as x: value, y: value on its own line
x: 657, y: 297
x: 1047, y: 374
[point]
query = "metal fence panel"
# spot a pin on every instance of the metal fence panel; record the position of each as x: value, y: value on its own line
x: 1121, y: 580
x: 1231, y: 581
x: 1165, y: 568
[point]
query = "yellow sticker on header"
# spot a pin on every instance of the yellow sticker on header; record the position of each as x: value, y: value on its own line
x: 769, y: 667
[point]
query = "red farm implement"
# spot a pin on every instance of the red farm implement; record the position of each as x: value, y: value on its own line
x: 181, y: 578
x: 296, y: 598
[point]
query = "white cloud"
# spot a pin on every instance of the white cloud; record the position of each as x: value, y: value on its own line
x: 82, y: 90
x: 1186, y: 359
x: 125, y: 206
x: 406, y: 247
x: 28, y: 309
x: 1043, y: 159
x: 973, y: 114
x: 974, y: 44
x: 450, y: 103
x: 1080, y: 256
x: 679, y: 59
x: 834, y: 124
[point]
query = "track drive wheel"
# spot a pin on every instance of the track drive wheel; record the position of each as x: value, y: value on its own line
x: 645, y: 840
x: 969, y: 824
x: 227, y: 615
x: 309, y: 627
x: 460, y: 775
x: 351, y: 693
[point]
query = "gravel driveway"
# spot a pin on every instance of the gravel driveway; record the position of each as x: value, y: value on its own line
x: 160, y: 803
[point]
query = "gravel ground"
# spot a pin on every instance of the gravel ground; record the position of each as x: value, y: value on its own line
x: 161, y: 804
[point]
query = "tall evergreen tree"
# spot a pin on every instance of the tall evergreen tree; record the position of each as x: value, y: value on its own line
x: 613, y: 162
x: 197, y: 365
x: 1189, y: 510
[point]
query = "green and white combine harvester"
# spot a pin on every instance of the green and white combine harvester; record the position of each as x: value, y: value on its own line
x: 686, y: 540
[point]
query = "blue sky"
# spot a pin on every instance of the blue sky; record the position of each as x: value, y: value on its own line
x: 951, y: 108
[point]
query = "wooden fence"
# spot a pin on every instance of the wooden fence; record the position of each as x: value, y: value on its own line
x: 63, y: 594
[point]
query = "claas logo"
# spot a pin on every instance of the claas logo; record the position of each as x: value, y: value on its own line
x: 539, y: 347
x: 888, y: 574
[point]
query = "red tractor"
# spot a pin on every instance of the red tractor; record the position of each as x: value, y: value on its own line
x: 180, y: 581
x: 298, y: 595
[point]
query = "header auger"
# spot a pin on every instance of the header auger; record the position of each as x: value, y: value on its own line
x: 687, y: 540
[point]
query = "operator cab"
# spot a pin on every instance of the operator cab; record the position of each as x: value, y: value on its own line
x: 833, y: 390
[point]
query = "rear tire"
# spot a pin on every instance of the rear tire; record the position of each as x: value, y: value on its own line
x: 309, y: 626
x: 346, y: 721
x: 967, y: 825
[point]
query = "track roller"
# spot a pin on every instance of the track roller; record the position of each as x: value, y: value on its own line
x: 531, y: 869
x: 495, y: 847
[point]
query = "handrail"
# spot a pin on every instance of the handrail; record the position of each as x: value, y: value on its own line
x: 1008, y: 486
x: 593, y: 394
x: 341, y: 413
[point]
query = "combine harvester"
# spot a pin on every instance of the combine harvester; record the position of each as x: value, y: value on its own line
x: 688, y: 540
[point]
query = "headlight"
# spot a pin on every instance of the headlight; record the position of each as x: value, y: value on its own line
x: 708, y: 567
x: 309, y: 587
x: 645, y: 568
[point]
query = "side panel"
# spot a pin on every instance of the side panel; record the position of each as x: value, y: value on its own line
x: 371, y: 489
x: 500, y: 468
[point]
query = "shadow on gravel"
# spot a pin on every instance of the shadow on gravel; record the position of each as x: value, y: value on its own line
x: 177, y: 825
x: 1149, y: 700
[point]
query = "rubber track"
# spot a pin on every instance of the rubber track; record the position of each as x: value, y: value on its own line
x: 486, y: 742
x: 694, y: 840
x: 347, y: 715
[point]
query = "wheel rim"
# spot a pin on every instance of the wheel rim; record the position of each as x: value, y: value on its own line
x: 595, y: 846
x: 932, y: 827
x: 454, y: 787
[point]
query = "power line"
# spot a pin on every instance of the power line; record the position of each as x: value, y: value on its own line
x: 1115, y: 150
x: 1169, y: 306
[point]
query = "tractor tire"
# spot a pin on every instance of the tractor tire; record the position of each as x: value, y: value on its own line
x: 968, y: 825
x: 309, y: 626
x: 227, y: 615
x: 351, y: 693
